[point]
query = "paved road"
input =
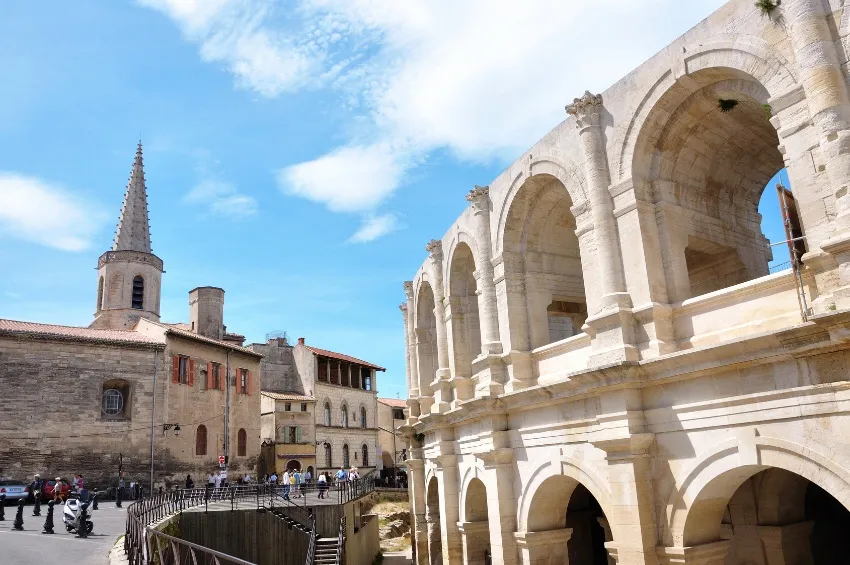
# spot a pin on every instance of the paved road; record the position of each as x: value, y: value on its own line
x: 31, y: 547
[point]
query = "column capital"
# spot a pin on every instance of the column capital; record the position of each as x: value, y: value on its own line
x: 587, y: 110
x: 446, y: 460
x: 408, y: 289
x: 494, y: 457
x: 435, y: 249
x: 705, y: 554
x: 629, y: 447
x: 403, y: 308
x: 479, y: 196
x: 548, y: 537
x: 415, y: 464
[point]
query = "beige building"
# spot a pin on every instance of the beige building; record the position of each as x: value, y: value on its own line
x: 601, y: 367
x: 344, y: 391
x: 392, y: 413
x: 288, y: 423
x: 129, y: 391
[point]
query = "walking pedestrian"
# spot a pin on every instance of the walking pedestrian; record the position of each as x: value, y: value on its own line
x: 286, y: 484
x: 273, y: 479
x: 217, y: 480
x: 298, y: 483
x: 210, y: 481
x: 322, y: 483
x: 190, y: 484
x: 57, y: 491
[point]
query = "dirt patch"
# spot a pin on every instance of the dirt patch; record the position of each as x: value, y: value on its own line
x: 393, y: 524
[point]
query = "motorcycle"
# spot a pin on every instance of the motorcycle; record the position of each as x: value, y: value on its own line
x: 73, y: 512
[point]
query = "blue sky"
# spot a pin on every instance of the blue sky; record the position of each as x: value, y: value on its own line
x: 299, y: 155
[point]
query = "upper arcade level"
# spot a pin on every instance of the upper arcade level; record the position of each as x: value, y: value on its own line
x: 632, y: 231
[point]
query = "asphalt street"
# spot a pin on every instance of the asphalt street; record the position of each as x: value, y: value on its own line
x: 31, y: 547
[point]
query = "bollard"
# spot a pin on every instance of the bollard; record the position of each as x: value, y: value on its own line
x: 82, y: 527
x: 94, y: 501
x: 2, y: 507
x: 48, y: 522
x: 18, y: 524
x: 36, y: 509
x: 118, y: 497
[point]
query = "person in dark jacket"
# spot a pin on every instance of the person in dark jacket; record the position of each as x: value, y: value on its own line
x: 189, y: 482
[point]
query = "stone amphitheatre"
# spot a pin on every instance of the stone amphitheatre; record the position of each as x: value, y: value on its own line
x: 601, y: 366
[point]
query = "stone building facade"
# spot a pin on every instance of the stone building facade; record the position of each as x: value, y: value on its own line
x: 91, y: 400
x: 344, y: 391
x: 392, y: 414
x: 601, y: 367
x: 288, y: 423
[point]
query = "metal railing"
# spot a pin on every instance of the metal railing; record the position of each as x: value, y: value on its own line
x: 169, y: 550
x: 339, y: 492
x: 340, y: 541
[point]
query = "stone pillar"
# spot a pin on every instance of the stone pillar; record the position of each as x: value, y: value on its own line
x: 498, y: 478
x: 632, y: 498
x: 475, y: 540
x: 416, y: 467
x: 787, y: 545
x: 704, y: 554
x: 610, y: 322
x: 544, y: 548
x: 447, y: 481
x: 441, y: 385
x: 410, y: 356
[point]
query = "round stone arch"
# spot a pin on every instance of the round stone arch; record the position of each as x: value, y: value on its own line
x: 472, y: 472
x: 577, y: 473
x: 460, y: 237
x: 694, y: 511
x: 421, y: 279
x: 748, y: 55
x: 549, y: 166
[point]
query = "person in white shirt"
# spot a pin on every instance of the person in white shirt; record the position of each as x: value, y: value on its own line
x: 217, y: 480
x: 322, y: 484
x: 210, y: 480
x: 286, y: 484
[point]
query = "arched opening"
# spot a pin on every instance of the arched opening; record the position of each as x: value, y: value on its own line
x: 770, y: 516
x: 242, y: 443
x: 432, y: 519
x: 463, y: 302
x: 138, y: 298
x: 327, y: 415
x: 475, y: 526
x: 346, y: 462
x: 365, y: 454
x: 362, y: 417
x: 99, y: 294
x: 293, y: 465
x: 578, y: 526
x: 201, y: 440
x: 705, y: 155
x: 541, y: 254
x: 344, y: 415
x: 312, y: 472
x: 426, y: 336
x: 328, y: 455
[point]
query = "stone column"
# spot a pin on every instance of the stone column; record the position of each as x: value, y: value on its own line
x: 474, y: 536
x: 610, y: 322
x: 441, y: 385
x: 544, y: 548
x: 410, y: 355
x: 787, y: 545
x: 447, y: 481
x: 704, y: 554
x: 416, y: 467
x: 498, y: 478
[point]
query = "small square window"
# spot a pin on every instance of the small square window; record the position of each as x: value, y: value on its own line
x: 303, y: 406
x: 287, y: 407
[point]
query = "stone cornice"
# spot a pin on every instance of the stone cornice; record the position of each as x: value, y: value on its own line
x: 495, y: 457
x: 130, y: 257
x: 548, y: 537
x: 587, y: 110
x: 625, y: 447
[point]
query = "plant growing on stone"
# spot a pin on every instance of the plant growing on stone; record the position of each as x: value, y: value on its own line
x: 766, y: 6
x: 768, y: 111
x: 726, y: 105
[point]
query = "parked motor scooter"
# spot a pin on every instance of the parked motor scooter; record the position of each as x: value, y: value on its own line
x: 72, y: 513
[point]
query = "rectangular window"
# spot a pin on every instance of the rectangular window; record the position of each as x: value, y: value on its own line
x: 297, y: 434
x: 183, y: 370
x: 290, y: 433
x: 243, y: 381
x: 303, y: 406
x: 215, y: 376
x: 287, y: 407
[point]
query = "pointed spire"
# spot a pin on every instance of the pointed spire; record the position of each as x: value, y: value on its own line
x: 133, y: 232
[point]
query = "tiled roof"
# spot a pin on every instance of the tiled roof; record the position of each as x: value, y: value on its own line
x: 75, y: 333
x: 394, y: 402
x: 176, y: 329
x: 341, y: 357
x: 286, y: 395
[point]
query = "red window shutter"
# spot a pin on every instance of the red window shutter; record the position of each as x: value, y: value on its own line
x: 209, y: 376
x: 175, y: 369
x: 222, y: 377
x: 238, y: 381
x: 248, y: 382
x: 191, y: 372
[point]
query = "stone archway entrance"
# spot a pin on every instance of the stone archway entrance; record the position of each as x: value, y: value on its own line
x: 432, y: 519
x: 475, y: 529
x: 293, y: 465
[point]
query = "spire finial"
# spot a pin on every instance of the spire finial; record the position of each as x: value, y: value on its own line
x: 133, y: 232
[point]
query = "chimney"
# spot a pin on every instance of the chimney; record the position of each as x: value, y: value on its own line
x: 300, y: 341
x: 206, y: 311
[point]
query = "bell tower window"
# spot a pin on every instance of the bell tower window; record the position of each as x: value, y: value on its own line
x: 138, y: 292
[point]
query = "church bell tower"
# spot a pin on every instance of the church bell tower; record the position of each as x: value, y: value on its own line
x: 129, y: 276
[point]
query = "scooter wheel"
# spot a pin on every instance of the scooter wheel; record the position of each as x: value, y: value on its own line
x: 69, y: 528
x: 89, y: 527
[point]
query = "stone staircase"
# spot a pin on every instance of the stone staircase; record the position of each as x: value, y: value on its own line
x: 291, y: 522
x: 326, y: 551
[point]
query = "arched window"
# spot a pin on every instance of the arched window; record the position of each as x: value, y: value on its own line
x: 115, y: 400
x: 99, y: 294
x: 201, y: 440
x: 362, y: 417
x: 242, y: 443
x: 365, y: 455
x: 328, y: 456
x: 344, y: 415
x: 138, y: 292
x: 345, y: 461
x: 327, y: 413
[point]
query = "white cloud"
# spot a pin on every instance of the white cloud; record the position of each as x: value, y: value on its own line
x: 222, y: 199
x: 47, y: 214
x: 374, y: 227
x: 482, y: 78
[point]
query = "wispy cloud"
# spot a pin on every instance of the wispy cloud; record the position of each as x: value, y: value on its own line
x: 374, y: 227
x: 221, y: 199
x: 483, y: 79
x: 46, y: 213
